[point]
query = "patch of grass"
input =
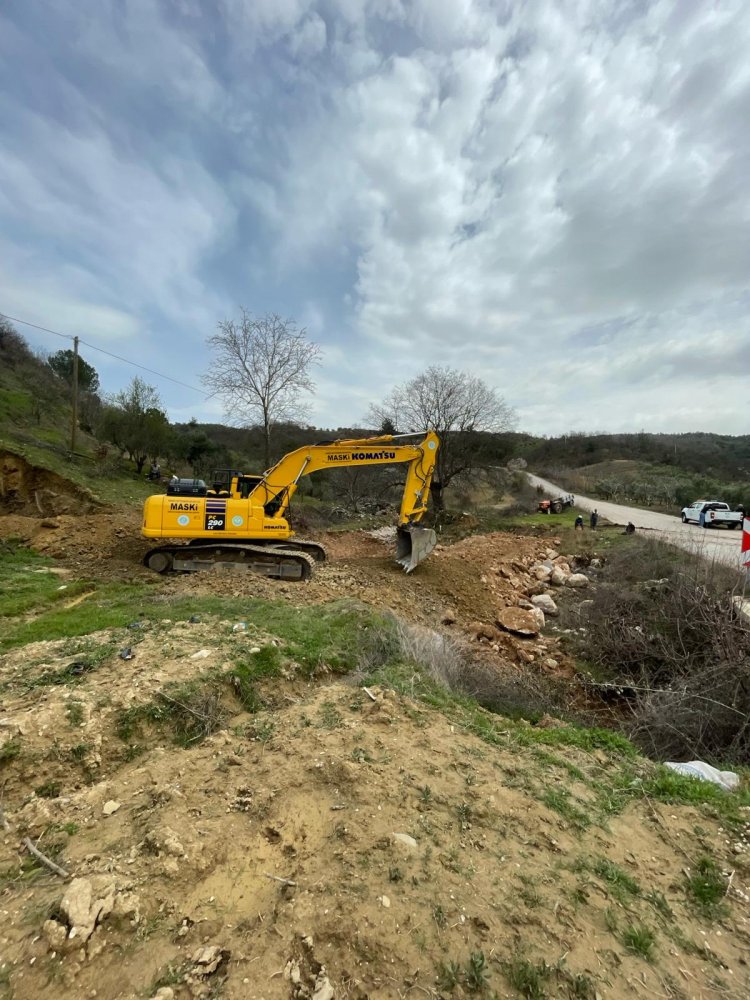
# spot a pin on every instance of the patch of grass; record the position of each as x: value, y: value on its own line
x: 639, y: 940
x: 75, y: 713
x: 110, y: 605
x: 262, y: 729
x: 667, y: 786
x: 247, y: 672
x: 190, y: 711
x: 659, y: 902
x: 706, y: 887
x: 329, y: 716
x: 173, y: 975
x: 527, y: 978
x: 580, y: 986
x: 449, y: 975
x: 619, y: 882
x: 477, y: 973
x: 49, y: 790
x: 10, y: 750
x: 559, y: 799
x: 463, y: 810
x: 580, y: 737
x: 79, y: 752
x: 69, y: 828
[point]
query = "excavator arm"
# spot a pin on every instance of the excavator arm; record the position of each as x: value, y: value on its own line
x: 281, y: 481
x: 414, y: 543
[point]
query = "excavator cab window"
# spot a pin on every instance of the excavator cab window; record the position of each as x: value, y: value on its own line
x: 221, y: 482
x: 246, y: 485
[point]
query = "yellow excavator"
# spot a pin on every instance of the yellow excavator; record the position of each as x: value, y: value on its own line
x: 240, y: 521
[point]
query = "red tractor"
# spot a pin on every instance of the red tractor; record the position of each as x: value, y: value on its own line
x: 557, y: 504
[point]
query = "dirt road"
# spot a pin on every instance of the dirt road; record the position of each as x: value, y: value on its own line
x: 718, y: 544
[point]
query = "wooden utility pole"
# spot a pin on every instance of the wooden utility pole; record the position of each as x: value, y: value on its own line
x: 74, y: 422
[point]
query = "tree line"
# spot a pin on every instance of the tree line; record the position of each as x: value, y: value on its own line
x: 262, y: 370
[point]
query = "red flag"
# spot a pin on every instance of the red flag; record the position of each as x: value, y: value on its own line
x: 746, y: 540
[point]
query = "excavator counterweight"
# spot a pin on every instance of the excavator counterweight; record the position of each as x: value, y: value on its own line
x: 239, y: 523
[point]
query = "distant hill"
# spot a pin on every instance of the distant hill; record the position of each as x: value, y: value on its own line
x: 719, y: 456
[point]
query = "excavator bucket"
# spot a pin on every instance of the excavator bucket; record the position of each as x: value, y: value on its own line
x: 413, y: 545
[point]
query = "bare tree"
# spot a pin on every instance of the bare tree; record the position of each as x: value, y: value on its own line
x: 454, y: 404
x: 260, y: 367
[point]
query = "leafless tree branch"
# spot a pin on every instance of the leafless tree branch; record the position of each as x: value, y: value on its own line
x: 260, y: 368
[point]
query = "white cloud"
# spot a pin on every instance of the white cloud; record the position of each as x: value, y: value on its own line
x: 551, y: 195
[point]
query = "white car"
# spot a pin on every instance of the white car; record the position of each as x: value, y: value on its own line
x: 711, y: 514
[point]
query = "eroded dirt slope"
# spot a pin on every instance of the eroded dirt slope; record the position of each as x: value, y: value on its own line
x: 343, y: 843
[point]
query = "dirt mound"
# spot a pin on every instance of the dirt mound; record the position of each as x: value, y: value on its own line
x: 346, y: 844
x: 37, y: 492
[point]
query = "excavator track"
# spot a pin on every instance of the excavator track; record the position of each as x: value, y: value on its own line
x: 276, y: 561
x: 314, y: 549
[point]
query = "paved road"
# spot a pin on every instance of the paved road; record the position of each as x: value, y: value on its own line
x: 718, y: 544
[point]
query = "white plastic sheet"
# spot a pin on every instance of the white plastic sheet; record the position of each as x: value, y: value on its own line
x: 727, y: 780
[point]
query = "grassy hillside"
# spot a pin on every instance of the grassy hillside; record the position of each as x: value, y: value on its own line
x: 316, y: 796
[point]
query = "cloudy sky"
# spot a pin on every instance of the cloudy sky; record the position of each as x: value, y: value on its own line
x: 551, y: 194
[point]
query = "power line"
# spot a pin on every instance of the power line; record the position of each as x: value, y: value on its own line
x: 135, y: 364
x: 13, y: 319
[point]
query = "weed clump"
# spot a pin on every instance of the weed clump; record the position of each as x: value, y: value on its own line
x: 663, y: 625
x: 706, y: 887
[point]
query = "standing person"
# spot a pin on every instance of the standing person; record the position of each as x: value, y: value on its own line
x: 594, y: 519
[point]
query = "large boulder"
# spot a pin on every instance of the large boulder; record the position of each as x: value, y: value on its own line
x: 545, y: 602
x: 525, y: 622
x: 558, y: 577
x: 541, y: 572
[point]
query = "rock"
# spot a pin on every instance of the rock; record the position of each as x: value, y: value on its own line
x: 558, y: 577
x: 406, y: 840
x: 164, y: 993
x: 323, y: 988
x: 385, y: 901
x: 164, y: 841
x: 201, y: 654
x: 545, y: 602
x: 448, y: 617
x: 209, y: 959
x: 127, y: 906
x: 110, y: 807
x: 56, y: 934
x: 292, y: 972
x: 550, y: 722
x: 480, y: 630
x: 551, y: 664
x: 577, y: 580
x: 521, y: 621
x: 541, y: 572
x: 83, y: 911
